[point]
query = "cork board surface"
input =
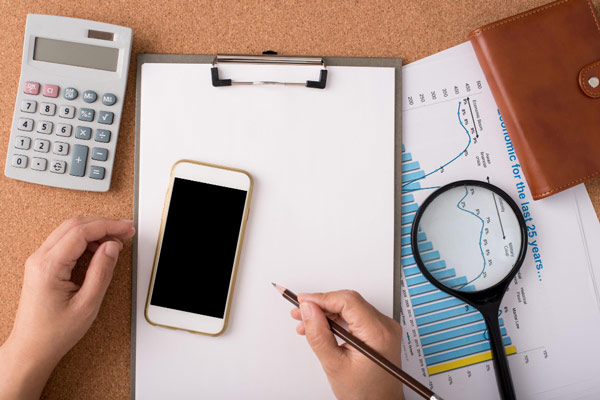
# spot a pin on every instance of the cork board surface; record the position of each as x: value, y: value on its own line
x: 99, y: 366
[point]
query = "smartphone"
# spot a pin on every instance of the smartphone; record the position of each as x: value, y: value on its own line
x: 198, y: 249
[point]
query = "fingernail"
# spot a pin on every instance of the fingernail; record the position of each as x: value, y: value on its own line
x: 112, y: 249
x: 306, y: 311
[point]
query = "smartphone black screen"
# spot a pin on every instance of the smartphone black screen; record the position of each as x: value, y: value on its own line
x: 198, y: 248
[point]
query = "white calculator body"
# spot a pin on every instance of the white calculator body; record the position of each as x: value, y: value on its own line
x: 69, y: 103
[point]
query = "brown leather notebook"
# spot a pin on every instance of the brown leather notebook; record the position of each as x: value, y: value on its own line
x: 543, y: 68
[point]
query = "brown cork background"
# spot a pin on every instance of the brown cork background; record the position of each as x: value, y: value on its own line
x: 99, y: 366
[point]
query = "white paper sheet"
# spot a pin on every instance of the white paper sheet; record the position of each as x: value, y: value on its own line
x: 453, y: 130
x: 322, y: 216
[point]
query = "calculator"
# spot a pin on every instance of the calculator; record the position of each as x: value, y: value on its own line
x: 69, y: 103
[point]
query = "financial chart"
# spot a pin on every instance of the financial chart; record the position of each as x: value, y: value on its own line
x: 453, y: 130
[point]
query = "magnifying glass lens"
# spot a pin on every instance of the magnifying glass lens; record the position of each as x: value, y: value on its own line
x: 469, y: 238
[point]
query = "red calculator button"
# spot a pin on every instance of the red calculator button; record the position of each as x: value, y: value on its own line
x: 31, y: 88
x: 50, y: 91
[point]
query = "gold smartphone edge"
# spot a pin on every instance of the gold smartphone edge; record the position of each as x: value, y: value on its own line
x: 238, y: 250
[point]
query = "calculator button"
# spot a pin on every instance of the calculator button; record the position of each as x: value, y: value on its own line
x: 89, y: 96
x: 102, y: 136
x: 67, y: 112
x: 41, y: 145
x: 39, y: 164
x: 105, y: 117
x: 50, y: 91
x: 22, y: 142
x: 31, y: 88
x: 86, y: 114
x: 58, y: 166
x: 99, y: 154
x: 25, y: 124
x: 96, y: 172
x: 79, y: 160
x: 48, y: 109
x: 108, y: 99
x: 28, y: 106
x: 70, y: 93
x: 83, y: 132
x: 45, y: 127
x: 60, y: 148
x: 19, y: 161
x: 64, y: 130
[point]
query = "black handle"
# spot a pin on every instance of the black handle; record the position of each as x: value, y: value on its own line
x: 503, y: 377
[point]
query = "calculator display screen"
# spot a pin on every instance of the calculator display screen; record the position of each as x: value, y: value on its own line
x: 199, y: 245
x: 76, y: 54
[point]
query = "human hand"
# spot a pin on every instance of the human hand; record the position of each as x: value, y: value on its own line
x: 351, y: 374
x: 54, y: 312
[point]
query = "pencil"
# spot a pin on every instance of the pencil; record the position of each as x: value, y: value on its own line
x: 366, y: 350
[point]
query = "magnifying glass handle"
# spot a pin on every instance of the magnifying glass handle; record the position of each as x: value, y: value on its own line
x: 503, y: 377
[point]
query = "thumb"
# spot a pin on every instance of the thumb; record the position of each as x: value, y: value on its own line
x: 99, y: 274
x: 319, y: 336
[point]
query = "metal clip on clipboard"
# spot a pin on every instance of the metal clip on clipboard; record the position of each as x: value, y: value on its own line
x: 269, y: 59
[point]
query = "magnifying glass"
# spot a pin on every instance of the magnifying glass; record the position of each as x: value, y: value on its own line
x: 480, y: 234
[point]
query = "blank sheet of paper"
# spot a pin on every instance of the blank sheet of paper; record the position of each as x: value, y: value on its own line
x: 321, y: 216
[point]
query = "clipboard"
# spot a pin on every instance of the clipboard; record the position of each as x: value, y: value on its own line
x: 319, y: 82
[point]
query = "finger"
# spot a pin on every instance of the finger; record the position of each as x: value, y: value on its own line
x: 351, y: 306
x: 295, y: 313
x: 300, y: 328
x: 66, y: 251
x: 98, y: 277
x: 63, y: 228
x: 319, y: 336
x: 93, y: 246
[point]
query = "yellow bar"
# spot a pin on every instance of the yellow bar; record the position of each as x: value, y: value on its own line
x: 463, y: 362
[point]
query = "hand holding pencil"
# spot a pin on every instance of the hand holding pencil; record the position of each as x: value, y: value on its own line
x: 351, y: 374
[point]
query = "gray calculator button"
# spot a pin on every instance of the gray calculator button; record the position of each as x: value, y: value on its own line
x: 99, y: 154
x: 64, y: 130
x: 70, y: 93
x: 60, y: 148
x: 102, y: 135
x: 89, y: 96
x: 79, y: 160
x: 45, y: 127
x: 47, y: 108
x: 108, y: 99
x: 83, y: 132
x: 41, y: 145
x: 58, y: 166
x: 28, y: 106
x: 66, y: 112
x: 86, y: 114
x: 19, y: 161
x: 39, y: 164
x: 25, y: 124
x: 106, y: 117
x: 96, y: 172
x: 22, y: 142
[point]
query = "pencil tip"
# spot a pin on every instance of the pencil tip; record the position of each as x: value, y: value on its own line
x: 280, y: 289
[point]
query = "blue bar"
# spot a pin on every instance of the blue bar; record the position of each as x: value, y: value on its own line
x: 455, y: 282
x: 433, y: 255
x: 411, y: 176
x: 447, y: 273
x: 406, y: 251
x: 407, y: 219
x: 453, y: 344
x: 429, y: 298
x: 411, y: 186
x: 442, y: 305
x: 405, y: 241
x: 406, y: 157
x: 478, y: 348
x: 406, y: 230
x: 411, y: 271
x: 409, y: 208
x: 455, y: 312
x: 407, y: 198
x: 421, y: 289
x: 434, y: 266
x: 453, y: 323
x: 453, y: 334
x: 410, y: 166
x: 407, y: 261
x: 425, y: 246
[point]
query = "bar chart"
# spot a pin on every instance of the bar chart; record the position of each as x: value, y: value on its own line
x: 452, y: 333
